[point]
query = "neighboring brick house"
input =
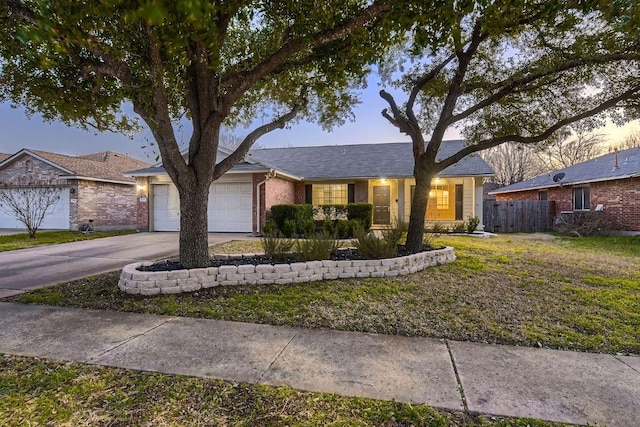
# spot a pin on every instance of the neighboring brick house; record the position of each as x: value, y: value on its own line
x: 610, y: 183
x: 93, y: 187
x: 380, y: 174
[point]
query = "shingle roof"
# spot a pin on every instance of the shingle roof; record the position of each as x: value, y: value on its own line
x: 4, y: 156
x: 599, y: 169
x: 106, y: 165
x: 363, y: 161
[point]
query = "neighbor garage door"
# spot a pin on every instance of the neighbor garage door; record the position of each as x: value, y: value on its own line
x: 57, y: 217
x: 230, y: 205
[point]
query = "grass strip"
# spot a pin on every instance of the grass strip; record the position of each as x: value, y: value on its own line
x: 21, y: 240
x: 42, y: 392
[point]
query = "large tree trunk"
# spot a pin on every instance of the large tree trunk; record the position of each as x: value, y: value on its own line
x: 194, y: 237
x: 415, y: 232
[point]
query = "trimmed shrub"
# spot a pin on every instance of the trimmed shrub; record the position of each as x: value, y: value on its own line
x: 362, y: 212
x: 293, y: 220
x: 340, y: 220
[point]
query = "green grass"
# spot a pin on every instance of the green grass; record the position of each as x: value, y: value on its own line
x: 522, y: 290
x: 40, y: 392
x: 620, y: 245
x: 22, y: 240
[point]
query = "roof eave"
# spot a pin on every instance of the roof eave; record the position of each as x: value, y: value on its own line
x: 42, y: 159
x: 566, y: 184
x: 89, y: 178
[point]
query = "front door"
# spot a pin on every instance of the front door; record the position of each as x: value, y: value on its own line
x: 381, y: 206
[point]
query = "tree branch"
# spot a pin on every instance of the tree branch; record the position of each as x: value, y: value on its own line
x: 488, y: 143
x: 240, y: 81
x: 420, y: 83
x: 242, y: 150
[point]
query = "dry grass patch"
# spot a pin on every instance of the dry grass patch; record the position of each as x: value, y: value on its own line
x: 40, y: 392
x: 507, y: 290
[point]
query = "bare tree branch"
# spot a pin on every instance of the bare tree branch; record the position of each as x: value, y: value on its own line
x: 488, y: 143
x: 242, y: 150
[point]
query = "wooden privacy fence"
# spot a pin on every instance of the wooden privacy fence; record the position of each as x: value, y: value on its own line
x: 518, y: 217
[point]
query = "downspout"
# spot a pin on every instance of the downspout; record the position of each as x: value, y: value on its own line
x: 272, y: 174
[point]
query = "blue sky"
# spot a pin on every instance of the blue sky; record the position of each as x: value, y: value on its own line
x: 18, y: 131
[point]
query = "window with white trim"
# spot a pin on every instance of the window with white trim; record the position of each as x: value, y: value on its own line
x: 439, y: 196
x: 330, y: 194
x: 581, y: 199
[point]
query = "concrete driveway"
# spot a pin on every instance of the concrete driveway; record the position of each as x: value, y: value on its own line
x: 25, y: 269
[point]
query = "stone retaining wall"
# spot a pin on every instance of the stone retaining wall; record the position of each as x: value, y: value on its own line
x: 172, y: 282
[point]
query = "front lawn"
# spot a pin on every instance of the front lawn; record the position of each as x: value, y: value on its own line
x: 22, y: 240
x: 530, y: 290
x: 40, y: 392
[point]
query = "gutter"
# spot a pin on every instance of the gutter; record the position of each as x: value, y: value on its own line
x: 270, y: 175
x: 556, y: 185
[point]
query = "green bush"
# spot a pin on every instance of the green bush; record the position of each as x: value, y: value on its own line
x: 328, y: 227
x: 459, y: 227
x: 395, y: 233
x: 372, y: 247
x: 471, y: 224
x: 298, y: 220
x: 276, y: 247
x: 315, y: 248
x: 289, y: 228
x: 293, y: 220
x: 362, y: 212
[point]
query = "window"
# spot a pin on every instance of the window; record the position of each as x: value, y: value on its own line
x: 543, y: 195
x: 581, y: 199
x: 330, y: 194
x: 439, y: 196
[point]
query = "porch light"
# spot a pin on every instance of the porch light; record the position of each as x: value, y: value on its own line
x: 437, y: 179
x: 141, y: 188
x: 383, y: 179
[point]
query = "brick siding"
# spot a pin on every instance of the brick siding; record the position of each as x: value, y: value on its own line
x: 41, y: 173
x: 620, y: 198
x: 111, y: 206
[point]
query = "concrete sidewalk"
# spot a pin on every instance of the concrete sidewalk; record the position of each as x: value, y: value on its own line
x: 553, y: 385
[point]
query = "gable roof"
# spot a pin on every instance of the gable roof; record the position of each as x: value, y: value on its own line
x: 387, y: 160
x: 248, y: 165
x: 105, y: 166
x: 3, y: 156
x: 620, y: 165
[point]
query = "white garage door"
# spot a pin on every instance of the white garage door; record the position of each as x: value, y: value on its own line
x: 229, y: 209
x: 57, y: 217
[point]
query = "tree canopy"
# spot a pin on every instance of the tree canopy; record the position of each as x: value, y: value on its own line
x: 214, y: 62
x: 512, y: 71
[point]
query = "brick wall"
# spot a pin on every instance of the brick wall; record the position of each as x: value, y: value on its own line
x: 111, y: 206
x: 142, y: 200
x: 41, y: 173
x: 620, y: 198
x: 275, y: 191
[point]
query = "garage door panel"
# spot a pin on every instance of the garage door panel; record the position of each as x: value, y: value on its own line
x: 166, y: 208
x: 229, y: 206
x: 57, y: 217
